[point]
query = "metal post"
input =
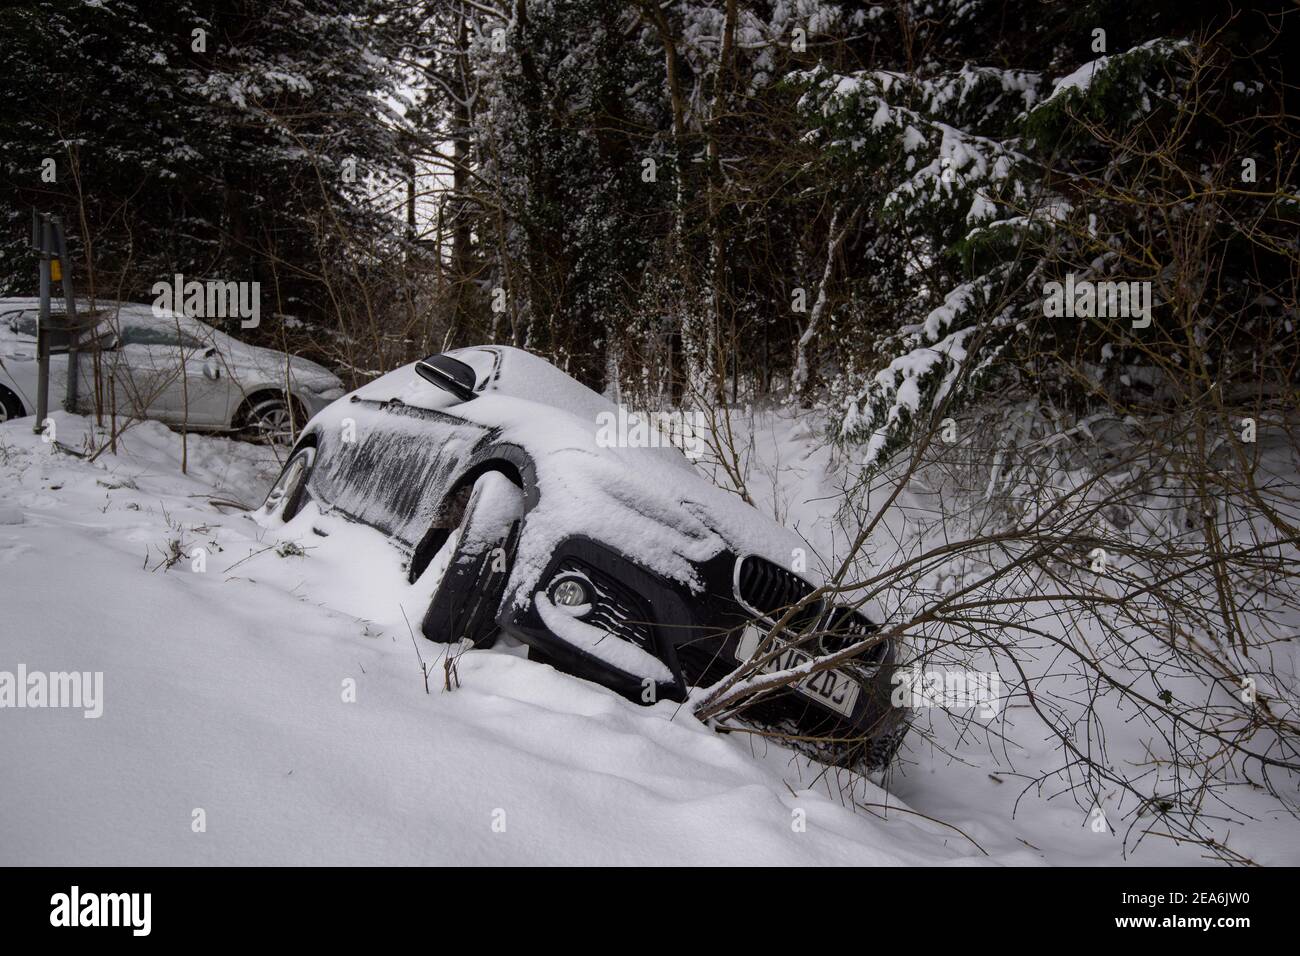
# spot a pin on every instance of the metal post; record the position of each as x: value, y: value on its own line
x: 70, y: 316
x: 42, y: 336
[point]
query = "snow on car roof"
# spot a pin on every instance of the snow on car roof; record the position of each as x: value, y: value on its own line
x: 524, y: 375
x: 106, y: 309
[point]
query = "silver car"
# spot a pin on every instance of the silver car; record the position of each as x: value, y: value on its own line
x: 164, y: 366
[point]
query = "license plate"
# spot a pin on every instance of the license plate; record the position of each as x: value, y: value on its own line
x: 833, y: 688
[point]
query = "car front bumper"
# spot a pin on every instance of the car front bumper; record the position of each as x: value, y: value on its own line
x: 696, y: 637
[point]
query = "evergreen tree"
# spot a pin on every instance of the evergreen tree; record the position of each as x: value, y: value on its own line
x: 206, y: 138
x: 1001, y: 163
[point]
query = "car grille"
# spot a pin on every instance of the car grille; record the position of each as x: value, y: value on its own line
x: 771, y: 590
x: 616, y: 609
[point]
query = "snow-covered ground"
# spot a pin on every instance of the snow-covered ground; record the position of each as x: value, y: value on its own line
x: 271, y: 707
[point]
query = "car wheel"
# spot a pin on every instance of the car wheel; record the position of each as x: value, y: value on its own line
x: 467, y: 575
x: 289, y: 493
x: 274, y: 420
x: 10, y: 406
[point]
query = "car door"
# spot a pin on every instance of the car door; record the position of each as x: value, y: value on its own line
x: 389, y: 458
x: 163, y: 369
x: 205, y: 400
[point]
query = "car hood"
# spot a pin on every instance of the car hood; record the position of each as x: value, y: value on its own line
x: 271, y: 365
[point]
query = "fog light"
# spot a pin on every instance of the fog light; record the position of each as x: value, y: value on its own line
x: 570, y: 593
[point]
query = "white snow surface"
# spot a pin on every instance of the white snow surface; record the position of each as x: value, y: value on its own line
x: 226, y: 692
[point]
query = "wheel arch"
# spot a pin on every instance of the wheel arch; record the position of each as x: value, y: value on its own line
x: 261, y: 393
x: 12, y: 399
x: 307, y: 439
x: 508, y: 461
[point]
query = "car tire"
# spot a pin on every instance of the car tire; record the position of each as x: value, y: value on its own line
x: 272, y: 420
x: 888, y: 722
x: 10, y: 406
x: 468, y: 573
x: 880, y: 751
x: 289, y: 493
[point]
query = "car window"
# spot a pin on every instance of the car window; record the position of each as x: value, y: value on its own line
x: 94, y: 328
x: 134, y: 333
x: 21, y: 323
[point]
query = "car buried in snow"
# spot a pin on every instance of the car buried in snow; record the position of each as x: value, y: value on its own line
x: 488, y: 468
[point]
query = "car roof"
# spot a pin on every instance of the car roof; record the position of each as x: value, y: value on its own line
x: 133, y: 312
x: 503, y: 371
x: 520, y: 374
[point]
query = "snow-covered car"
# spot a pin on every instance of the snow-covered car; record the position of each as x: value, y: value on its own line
x: 494, y: 473
x: 164, y: 366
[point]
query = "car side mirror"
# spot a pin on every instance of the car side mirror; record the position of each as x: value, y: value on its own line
x: 449, y: 375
